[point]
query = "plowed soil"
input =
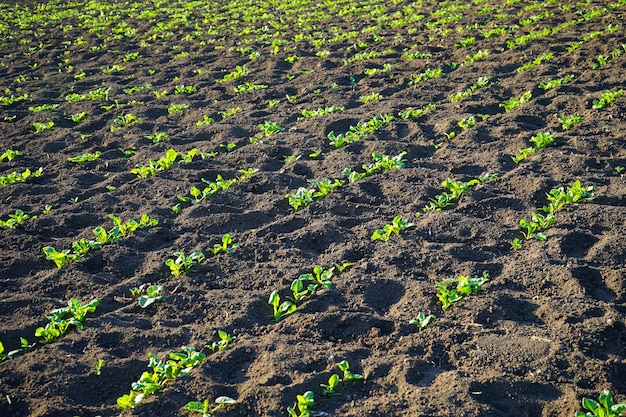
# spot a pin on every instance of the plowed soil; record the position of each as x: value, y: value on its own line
x: 547, y: 329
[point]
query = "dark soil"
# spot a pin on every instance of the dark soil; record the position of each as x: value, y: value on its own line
x: 548, y: 327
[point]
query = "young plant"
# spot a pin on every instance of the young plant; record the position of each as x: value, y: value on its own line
x: 182, y: 263
x: 569, y: 121
x: 515, y: 102
x: 452, y: 290
x: 281, y: 309
x: 152, y: 295
x: 124, y: 120
x: 270, y: 128
x: 344, y: 366
x: 9, y: 155
x: 370, y: 98
x: 205, y: 408
x: 222, y: 344
x: 604, y: 407
x: 59, y: 258
x: 227, y: 245
x: 97, y: 368
x: 39, y: 127
x: 330, y: 389
x: 80, y: 160
x: 396, y: 226
x: 301, y: 408
x: 157, y: 137
x: 607, y: 98
x: 422, y: 320
x: 16, y: 177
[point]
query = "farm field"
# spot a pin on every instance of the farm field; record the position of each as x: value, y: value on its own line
x: 204, y: 199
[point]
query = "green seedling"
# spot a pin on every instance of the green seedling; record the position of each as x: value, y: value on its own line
x: 205, y: 408
x: 124, y: 120
x: 515, y: 102
x: 228, y: 146
x: 619, y: 169
x: 344, y: 366
x: 15, y: 220
x: 604, y: 407
x: 157, y: 137
x: 9, y: 155
x: 239, y: 72
x: 330, y: 389
x: 543, y: 140
x: 301, y: 198
x: 303, y: 402
x: 429, y: 74
x: 607, y: 98
x: 270, y: 128
x: 397, y: 225
x: 452, y: 290
x: 422, y: 320
x: 281, y: 309
x: 80, y: 160
x: 16, y: 177
x: 289, y: 159
x: 248, y: 86
x: 567, y: 122
x: 316, y: 153
x: 370, y: 98
x: 79, y: 117
x: 151, y: 295
x: 97, y: 368
x: 516, y: 244
x: 160, y: 94
x: 227, y: 245
x: 300, y: 290
x: 177, y: 108
x: 127, y: 153
x: 185, y: 89
x: 229, y: 112
x: 532, y: 230
x: 39, y: 127
x: 59, y: 258
x: 182, y: 263
x: 222, y: 344
x: 206, y: 120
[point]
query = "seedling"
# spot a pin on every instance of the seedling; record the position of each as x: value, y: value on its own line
x: 151, y: 295
x: 281, y: 309
x: 222, y: 344
x: 59, y: 258
x: 206, y: 120
x: 301, y: 408
x: 80, y: 160
x: 42, y: 127
x: 185, y: 89
x: 228, y: 146
x: 397, y: 225
x: 516, y: 244
x: 9, y: 155
x: 97, y: 368
x: 422, y: 320
x: 157, y: 137
x: 329, y: 389
x: 370, y: 98
x: 16, y: 177
x: 127, y: 153
x: 227, y: 245
x: 515, y: 102
x: 567, y: 122
x: 182, y: 263
x: 289, y: 159
x: 79, y: 117
x: 344, y: 366
x: 15, y: 220
x: 270, y: 128
x: 424, y: 76
x: 607, y: 98
x: 205, y: 409
x: 452, y: 290
x: 604, y: 407
x: 177, y: 107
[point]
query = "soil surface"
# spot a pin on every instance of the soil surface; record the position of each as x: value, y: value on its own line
x: 548, y: 327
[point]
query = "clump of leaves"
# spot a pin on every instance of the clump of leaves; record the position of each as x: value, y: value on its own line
x: 222, y: 344
x: 558, y: 198
x: 607, y: 98
x: 422, y: 320
x: 206, y: 409
x: 396, y: 226
x: 149, y: 294
x: 178, y: 364
x: 305, y: 196
x: 227, y: 245
x: 452, y: 290
x: 15, y: 220
x: 39, y: 127
x: 15, y: 177
x: 124, y: 120
x: 515, y: 102
x: 60, y: 320
x: 540, y: 140
x: 381, y: 163
x: 569, y: 121
x: 455, y: 190
x: 303, y: 402
x: 604, y: 407
x: 80, y: 160
x: 9, y: 155
x: 181, y: 263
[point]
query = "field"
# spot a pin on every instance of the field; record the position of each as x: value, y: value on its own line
x: 271, y: 188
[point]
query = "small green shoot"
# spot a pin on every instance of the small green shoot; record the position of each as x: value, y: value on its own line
x: 604, y: 407
x: 182, y: 263
x: 452, y: 290
x: 205, y: 408
x: 422, y: 320
x: 396, y: 226
x: 344, y: 366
